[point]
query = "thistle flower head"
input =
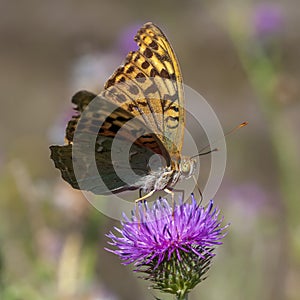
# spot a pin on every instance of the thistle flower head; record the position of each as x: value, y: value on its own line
x: 173, y: 246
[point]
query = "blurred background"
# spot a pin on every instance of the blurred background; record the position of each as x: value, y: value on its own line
x: 242, y: 56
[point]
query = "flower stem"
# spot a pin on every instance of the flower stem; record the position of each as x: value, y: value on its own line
x: 182, y: 297
x: 264, y: 73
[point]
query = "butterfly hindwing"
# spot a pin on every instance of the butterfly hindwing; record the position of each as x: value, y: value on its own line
x: 89, y: 180
x: 90, y: 148
x: 81, y: 100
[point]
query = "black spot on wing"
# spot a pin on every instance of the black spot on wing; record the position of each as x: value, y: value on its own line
x: 130, y: 70
x: 140, y: 77
x: 164, y: 74
x: 148, y: 53
x: 145, y: 65
x: 153, y: 45
x: 153, y: 72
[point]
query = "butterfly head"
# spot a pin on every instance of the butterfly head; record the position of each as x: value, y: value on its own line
x: 187, y: 167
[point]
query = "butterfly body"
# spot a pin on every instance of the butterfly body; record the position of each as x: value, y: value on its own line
x: 164, y: 179
x: 140, y: 113
x: 160, y: 179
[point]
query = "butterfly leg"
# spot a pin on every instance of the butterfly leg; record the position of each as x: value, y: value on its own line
x: 198, y: 188
x: 179, y: 191
x: 145, y: 196
x: 168, y: 191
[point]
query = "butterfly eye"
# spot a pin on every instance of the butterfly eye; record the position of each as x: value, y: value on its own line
x: 187, y: 168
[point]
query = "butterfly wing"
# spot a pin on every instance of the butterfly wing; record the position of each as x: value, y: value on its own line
x: 149, y: 85
x: 88, y: 177
x: 90, y: 135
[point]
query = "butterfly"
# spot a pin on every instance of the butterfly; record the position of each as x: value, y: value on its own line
x: 141, y: 106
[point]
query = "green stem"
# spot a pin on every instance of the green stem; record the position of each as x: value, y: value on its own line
x: 263, y: 76
x: 182, y: 297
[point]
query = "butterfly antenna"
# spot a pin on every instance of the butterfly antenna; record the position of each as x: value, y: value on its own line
x: 227, y: 133
x: 236, y: 128
x: 204, y: 153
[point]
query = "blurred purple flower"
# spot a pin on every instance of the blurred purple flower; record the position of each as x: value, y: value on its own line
x: 250, y: 191
x: 268, y: 19
x: 249, y: 199
x: 92, y: 69
x: 126, y: 41
x: 90, y: 72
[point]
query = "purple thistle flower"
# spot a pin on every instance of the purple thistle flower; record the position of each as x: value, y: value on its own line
x: 163, y: 241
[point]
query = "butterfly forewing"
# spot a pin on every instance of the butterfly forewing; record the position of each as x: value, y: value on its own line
x: 149, y: 85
